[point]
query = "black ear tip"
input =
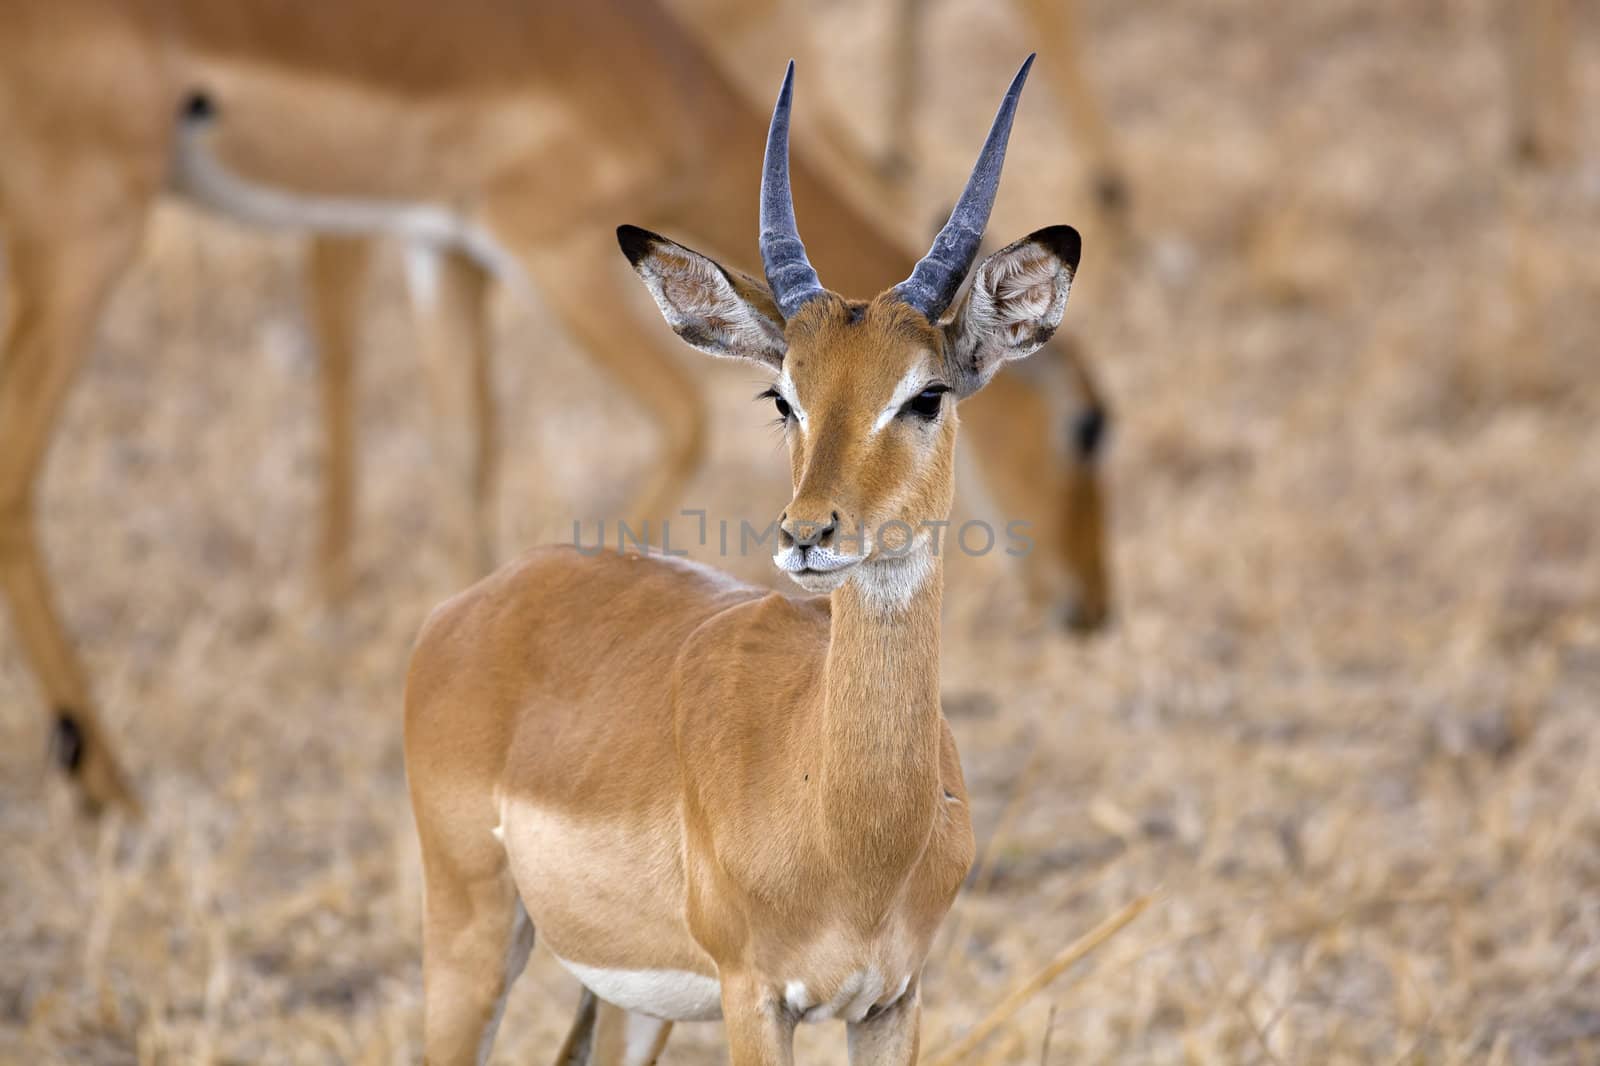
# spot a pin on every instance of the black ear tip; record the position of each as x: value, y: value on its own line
x: 1064, y: 241
x: 635, y: 242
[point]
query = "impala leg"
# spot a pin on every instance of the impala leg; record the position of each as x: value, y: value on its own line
x: 905, y: 44
x: 889, y: 1038
x: 476, y: 935
x: 760, y: 1032
x: 59, y: 288
x: 579, y: 1044
x: 337, y: 270
x: 449, y: 301
x: 1055, y: 22
x: 476, y: 938
x: 603, y: 1034
x: 585, y: 288
x: 1542, y: 97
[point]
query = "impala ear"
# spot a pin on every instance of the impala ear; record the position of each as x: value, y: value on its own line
x: 722, y: 312
x: 1012, y: 304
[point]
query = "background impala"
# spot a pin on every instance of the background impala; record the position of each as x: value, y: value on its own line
x: 1346, y: 718
x: 491, y: 155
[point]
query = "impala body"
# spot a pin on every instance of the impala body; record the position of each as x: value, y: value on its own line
x: 494, y: 138
x: 712, y: 800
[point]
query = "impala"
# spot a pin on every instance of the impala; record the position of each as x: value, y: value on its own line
x: 1053, y: 23
x: 712, y: 800
x: 492, y: 138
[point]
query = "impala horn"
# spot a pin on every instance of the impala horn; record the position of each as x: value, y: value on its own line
x: 935, y: 279
x: 790, y: 275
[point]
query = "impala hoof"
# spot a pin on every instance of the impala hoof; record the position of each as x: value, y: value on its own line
x: 82, y: 756
x: 67, y: 743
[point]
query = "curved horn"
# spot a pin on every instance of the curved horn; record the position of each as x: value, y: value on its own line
x: 789, y: 273
x: 936, y: 278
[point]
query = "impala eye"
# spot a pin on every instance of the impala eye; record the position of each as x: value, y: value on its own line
x: 784, y: 410
x: 926, y: 404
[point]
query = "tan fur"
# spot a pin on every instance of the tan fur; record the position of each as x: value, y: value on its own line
x: 1034, y: 473
x: 1539, y: 56
x: 1052, y: 25
x: 525, y: 129
x: 745, y: 785
x: 713, y: 800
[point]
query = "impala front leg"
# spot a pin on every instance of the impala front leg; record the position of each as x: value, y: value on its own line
x: 59, y: 284
x: 890, y: 1037
x: 760, y: 1030
x: 338, y: 269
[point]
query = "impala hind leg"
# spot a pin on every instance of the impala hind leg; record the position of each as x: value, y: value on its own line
x: 338, y: 270
x: 623, y: 1038
x: 910, y: 30
x: 586, y: 289
x: 579, y: 1044
x: 449, y: 303
x: 1055, y: 23
x: 476, y: 938
x: 59, y: 285
x: 1543, y: 100
x: 604, y: 1034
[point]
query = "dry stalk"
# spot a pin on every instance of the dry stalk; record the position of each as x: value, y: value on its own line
x: 1009, y: 1006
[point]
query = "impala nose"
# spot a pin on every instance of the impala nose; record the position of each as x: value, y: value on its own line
x: 795, y: 532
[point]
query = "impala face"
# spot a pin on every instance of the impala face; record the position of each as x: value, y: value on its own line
x: 869, y: 413
x: 867, y: 391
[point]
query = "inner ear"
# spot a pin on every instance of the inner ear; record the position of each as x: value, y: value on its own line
x: 722, y: 312
x: 1013, y: 304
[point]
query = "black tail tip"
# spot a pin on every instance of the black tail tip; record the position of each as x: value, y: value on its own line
x: 197, y: 107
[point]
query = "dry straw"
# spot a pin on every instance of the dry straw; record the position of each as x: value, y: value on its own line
x: 1070, y: 955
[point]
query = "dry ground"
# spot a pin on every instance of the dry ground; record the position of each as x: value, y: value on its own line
x: 1346, y: 723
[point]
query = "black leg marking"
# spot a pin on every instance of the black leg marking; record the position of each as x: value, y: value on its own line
x: 197, y: 107
x: 67, y: 742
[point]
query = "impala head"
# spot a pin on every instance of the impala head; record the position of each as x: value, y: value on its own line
x: 867, y: 390
x: 1039, y: 440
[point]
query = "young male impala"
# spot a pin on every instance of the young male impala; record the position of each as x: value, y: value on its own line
x: 713, y: 800
x: 493, y: 138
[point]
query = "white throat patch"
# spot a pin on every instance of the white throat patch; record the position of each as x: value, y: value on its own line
x: 891, y: 582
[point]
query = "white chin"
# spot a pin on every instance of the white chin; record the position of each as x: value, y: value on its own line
x: 821, y: 580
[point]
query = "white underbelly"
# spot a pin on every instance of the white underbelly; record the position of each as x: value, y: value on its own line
x: 681, y: 996
x: 674, y: 995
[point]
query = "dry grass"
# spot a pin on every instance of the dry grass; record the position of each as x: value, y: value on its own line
x: 1347, y: 722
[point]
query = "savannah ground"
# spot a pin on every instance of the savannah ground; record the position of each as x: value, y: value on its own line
x: 1345, y: 724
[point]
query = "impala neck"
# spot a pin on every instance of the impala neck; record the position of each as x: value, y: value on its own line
x: 880, y: 745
